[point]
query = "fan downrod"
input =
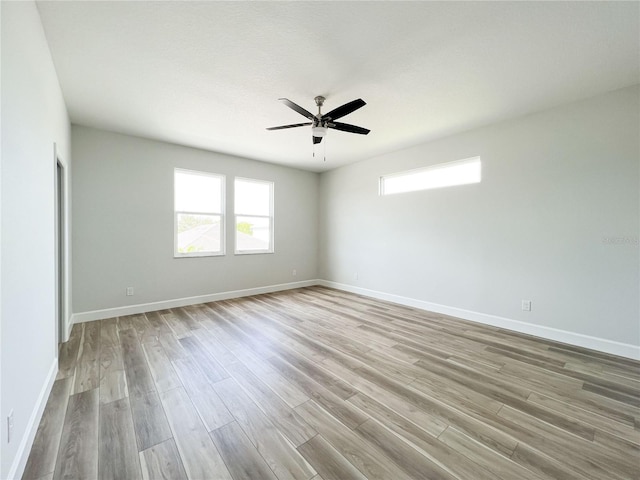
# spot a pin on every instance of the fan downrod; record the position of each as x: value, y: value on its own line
x: 319, y: 102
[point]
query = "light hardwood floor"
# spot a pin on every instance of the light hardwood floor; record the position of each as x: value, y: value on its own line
x: 320, y: 384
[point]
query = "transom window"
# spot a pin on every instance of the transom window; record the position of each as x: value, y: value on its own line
x: 199, y: 213
x: 461, y: 172
x: 253, y: 215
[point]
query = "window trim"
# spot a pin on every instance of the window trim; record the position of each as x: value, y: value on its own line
x: 438, y: 166
x: 221, y: 214
x: 270, y: 217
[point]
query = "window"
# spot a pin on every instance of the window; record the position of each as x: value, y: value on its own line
x: 254, y: 216
x: 461, y: 172
x: 199, y: 214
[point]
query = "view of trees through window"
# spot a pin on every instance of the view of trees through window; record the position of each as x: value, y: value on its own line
x: 187, y: 222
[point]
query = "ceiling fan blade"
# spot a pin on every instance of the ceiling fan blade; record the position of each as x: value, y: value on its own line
x: 297, y: 108
x: 345, y: 127
x: 290, y: 126
x: 317, y: 140
x: 345, y: 109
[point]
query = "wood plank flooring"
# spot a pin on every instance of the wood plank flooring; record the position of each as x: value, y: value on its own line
x: 321, y: 384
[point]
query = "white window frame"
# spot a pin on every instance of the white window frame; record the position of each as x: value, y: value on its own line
x: 431, y: 168
x: 270, y: 217
x: 221, y: 214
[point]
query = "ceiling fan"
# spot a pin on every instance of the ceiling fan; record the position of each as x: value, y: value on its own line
x: 320, y: 123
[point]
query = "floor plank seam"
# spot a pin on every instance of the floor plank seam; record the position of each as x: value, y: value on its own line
x: 338, y: 378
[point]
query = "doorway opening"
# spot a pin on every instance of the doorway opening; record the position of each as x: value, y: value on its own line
x: 60, y: 249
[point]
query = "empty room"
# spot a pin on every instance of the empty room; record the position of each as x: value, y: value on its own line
x: 319, y: 240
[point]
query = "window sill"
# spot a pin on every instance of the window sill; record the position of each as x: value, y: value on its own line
x: 254, y: 252
x: 196, y: 255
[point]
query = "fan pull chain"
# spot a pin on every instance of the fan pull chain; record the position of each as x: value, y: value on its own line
x: 324, y: 153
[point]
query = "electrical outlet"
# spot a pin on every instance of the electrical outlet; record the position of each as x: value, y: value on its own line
x: 294, y: 273
x: 526, y: 305
x: 355, y: 276
x: 129, y: 291
x: 10, y: 426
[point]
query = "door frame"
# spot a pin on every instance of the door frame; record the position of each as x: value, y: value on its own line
x: 61, y: 246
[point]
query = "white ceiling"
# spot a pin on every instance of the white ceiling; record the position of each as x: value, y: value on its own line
x: 208, y: 74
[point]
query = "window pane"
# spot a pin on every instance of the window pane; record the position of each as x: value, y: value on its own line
x: 252, y: 197
x: 253, y: 233
x: 199, y: 233
x: 200, y: 193
x: 444, y: 175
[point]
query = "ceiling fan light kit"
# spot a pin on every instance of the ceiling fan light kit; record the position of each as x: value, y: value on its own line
x: 321, y: 123
x: 319, y: 131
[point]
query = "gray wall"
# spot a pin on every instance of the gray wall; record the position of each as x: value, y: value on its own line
x: 556, y: 185
x: 123, y: 224
x: 33, y: 118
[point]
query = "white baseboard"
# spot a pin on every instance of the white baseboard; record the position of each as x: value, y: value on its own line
x: 22, y: 455
x: 549, y: 333
x: 181, y: 302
